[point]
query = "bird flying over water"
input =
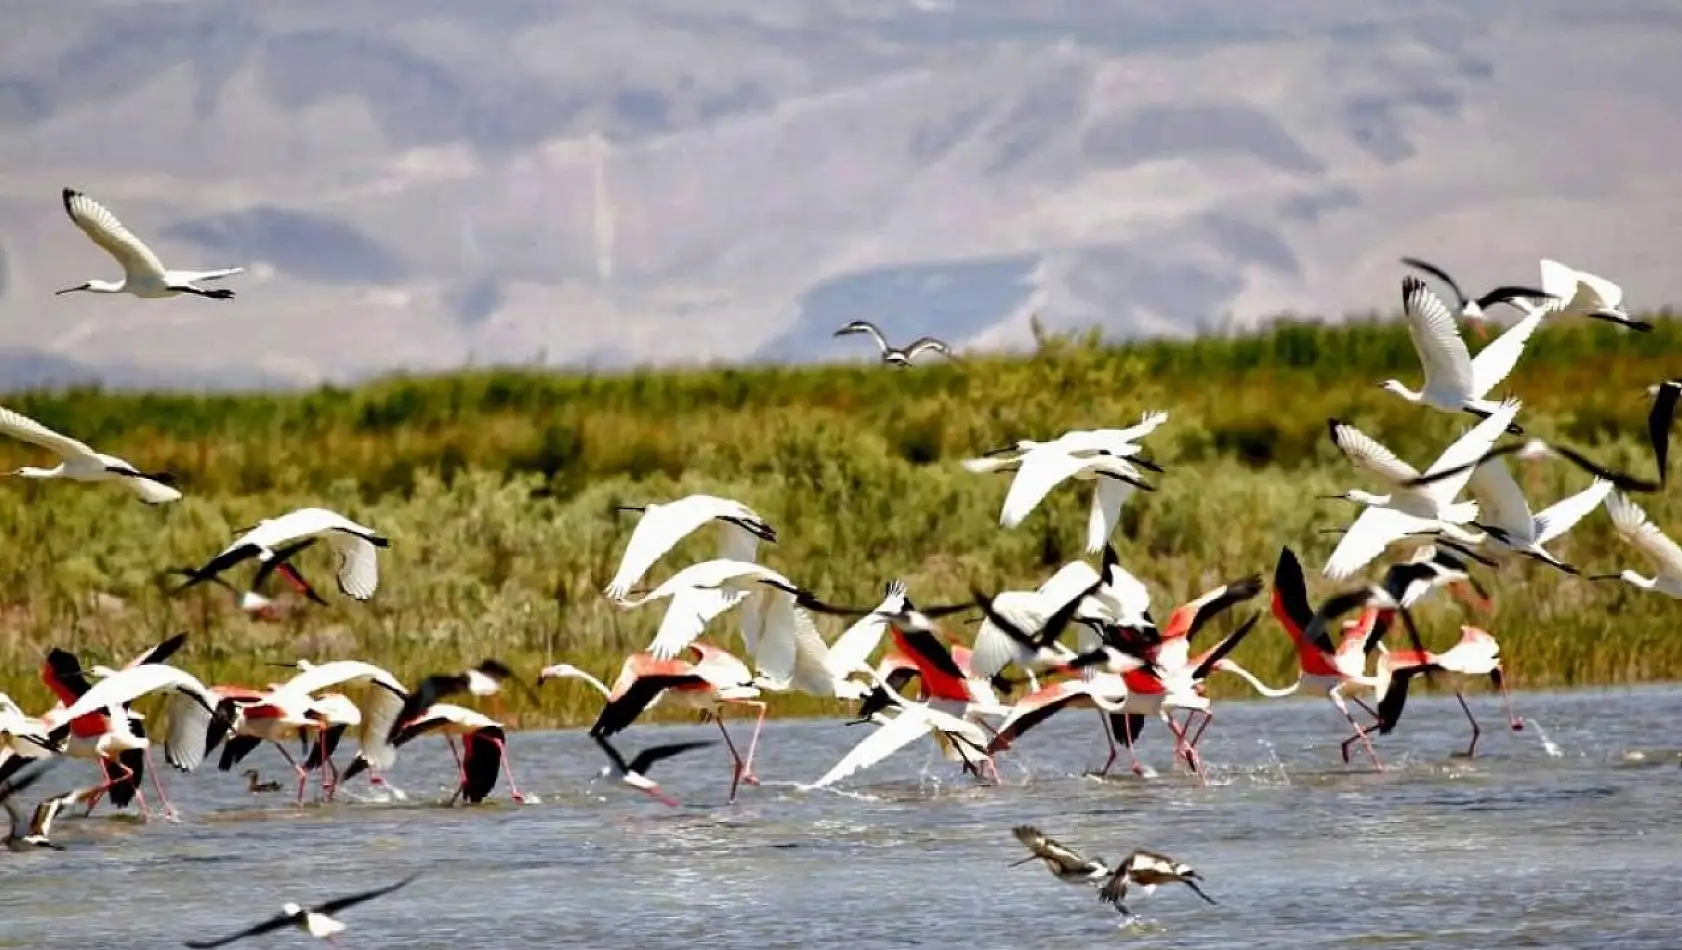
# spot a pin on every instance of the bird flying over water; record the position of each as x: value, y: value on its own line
x: 1143, y: 868
x: 894, y: 356
x: 79, y: 463
x: 358, y: 573
x: 315, y: 921
x: 143, y: 274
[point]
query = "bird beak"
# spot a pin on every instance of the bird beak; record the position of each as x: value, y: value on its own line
x: 1330, y: 497
x: 663, y: 799
x: 629, y: 507
x: 68, y: 290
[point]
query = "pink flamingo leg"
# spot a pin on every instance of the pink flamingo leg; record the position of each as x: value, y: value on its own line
x: 302, y: 773
x: 1360, y: 731
x: 1513, y: 720
x: 1471, y: 749
x: 507, y: 766
x: 1193, y: 760
x: 753, y: 740
x: 1202, y: 725
x: 99, y: 791
x: 168, y: 811
x: 1132, y: 753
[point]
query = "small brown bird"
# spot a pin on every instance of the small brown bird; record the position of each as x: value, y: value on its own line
x: 253, y: 786
x: 1148, y: 869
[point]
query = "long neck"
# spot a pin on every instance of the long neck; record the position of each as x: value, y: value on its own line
x: 1255, y: 683
x: 1639, y: 581
x: 31, y: 471
x: 600, y: 686
x: 1396, y: 386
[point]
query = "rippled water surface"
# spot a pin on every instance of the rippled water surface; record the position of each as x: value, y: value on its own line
x: 1568, y: 834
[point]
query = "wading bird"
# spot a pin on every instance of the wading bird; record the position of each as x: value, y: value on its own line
x: 1122, y: 443
x: 484, y: 750
x: 1580, y: 293
x: 892, y: 356
x: 1455, y: 381
x: 315, y: 921
x: 79, y: 463
x: 256, y: 787
x: 358, y: 572
x: 712, y: 681
x: 35, y: 834
x: 635, y: 772
x: 486, y: 679
x: 1477, y: 654
x: 1406, y: 511
x: 1472, y: 309
x: 740, y: 529
x: 1633, y: 525
x: 143, y: 274
x: 252, y: 600
x: 967, y: 739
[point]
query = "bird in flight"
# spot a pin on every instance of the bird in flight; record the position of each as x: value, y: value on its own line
x: 143, y: 274
x: 1143, y: 868
x: 315, y: 921
x: 894, y: 356
x: 80, y: 463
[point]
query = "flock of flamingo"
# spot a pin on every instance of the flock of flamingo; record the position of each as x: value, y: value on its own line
x: 1085, y: 637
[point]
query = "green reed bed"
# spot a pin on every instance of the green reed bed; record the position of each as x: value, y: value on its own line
x: 498, y: 490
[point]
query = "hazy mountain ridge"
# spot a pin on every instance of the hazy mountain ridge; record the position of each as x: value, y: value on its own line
x: 410, y: 186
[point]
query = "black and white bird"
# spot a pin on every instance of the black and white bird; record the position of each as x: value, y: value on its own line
x: 252, y: 600
x: 143, y: 274
x: 80, y: 463
x: 1146, y: 869
x: 315, y: 921
x: 1456, y: 381
x: 740, y: 530
x: 1580, y: 293
x: 486, y: 679
x: 1474, y: 308
x: 635, y: 772
x: 25, y: 836
x: 356, y: 544
x: 894, y: 356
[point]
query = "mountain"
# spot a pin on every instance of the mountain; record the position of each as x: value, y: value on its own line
x: 413, y: 183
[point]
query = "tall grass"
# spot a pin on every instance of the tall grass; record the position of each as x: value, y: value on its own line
x: 498, y: 489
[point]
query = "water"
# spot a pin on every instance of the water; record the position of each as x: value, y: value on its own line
x: 1518, y: 848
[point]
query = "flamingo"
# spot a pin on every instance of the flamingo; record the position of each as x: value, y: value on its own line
x: 314, y: 921
x: 274, y: 716
x: 1014, y: 632
x: 252, y: 601
x: 80, y: 463
x: 892, y: 355
x: 712, y: 681
x: 144, y: 275
x: 484, y: 749
x: 379, y: 700
x: 356, y: 544
x: 1455, y: 381
x: 486, y: 679
x: 1477, y: 654
x: 740, y: 529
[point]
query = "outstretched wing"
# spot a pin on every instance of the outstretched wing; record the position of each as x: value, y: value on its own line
x: 1368, y: 453
x: 334, y: 906
x: 1049, y: 849
x: 272, y: 924
x: 103, y: 228
x: 21, y: 427
x: 1436, y: 337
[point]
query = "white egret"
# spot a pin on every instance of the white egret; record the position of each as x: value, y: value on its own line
x: 1455, y: 381
x: 1634, y: 527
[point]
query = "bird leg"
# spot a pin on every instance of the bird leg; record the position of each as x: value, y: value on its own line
x: 753, y: 740
x: 1202, y: 725
x: 100, y: 790
x: 1182, y: 748
x: 168, y: 811
x: 302, y: 773
x: 1109, y: 737
x: 1499, y: 675
x: 1132, y: 753
x: 737, y: 766
x: 1472, y: 748
x: 507, y: 766
x: 1360, y: 731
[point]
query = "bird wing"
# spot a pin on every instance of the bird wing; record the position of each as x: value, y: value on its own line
x: 1008, y: 621
x: 1495, y: 362
x: 196, y: 276
x: 21, y: 427
x: 1610, y: 294
x: 1127, y: 597
x: 1659, y: 420
x: 1562, y: 515
x: 1465, y: 451
x: 890, y: 737
x: 1108, y: 495
x: 1500, y: 501
x: 1290, y: 599
x: 160, y: 651
x: 1049, y: 849
x: 382, y: 702
x: 1190, y: 617
x: 689, y: 612
x: 865, y: 326
x: 1370, y: 454
x: 151, y: 491
x: 851, y: 650
x: 772, y: 616
x: 103, y: 228
x: 927, y: 343
x: 278, y: 562
x: 1440, y: 274
x: 646, y: 758
x: 1436, y: 337
x: 1634, y: 526
x: 1040, y: 471
x: 125, y: 686
x: 187, y: 718
x: 811, y: 658
x: 340, y: 903
x: 359, y: 568
x: 1560, y: 281
x: 660, y: 530
x: 1368, y: 536
x: 272, y: 924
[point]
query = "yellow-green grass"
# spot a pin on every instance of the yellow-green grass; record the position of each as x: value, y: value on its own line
x: 498, y: 491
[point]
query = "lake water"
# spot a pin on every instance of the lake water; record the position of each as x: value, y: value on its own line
x: 1578, y: 845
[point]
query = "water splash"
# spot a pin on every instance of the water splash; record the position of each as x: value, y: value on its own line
x: 1548, y: 745
x: 1273, y: 758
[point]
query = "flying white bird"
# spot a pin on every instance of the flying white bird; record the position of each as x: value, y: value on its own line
x: 740, y: 529
x: 1409, y: 511
x: 1634, y: 527
x: 894, y: 356
x: 80, y: 463
x: 314, y: 921
x: 1473, y: 309
x: 1455, y: 381
x: 1123, y: 443
x: 968, y: 739
x: 189, y: 708
x: 1505, y: 516
x: 358, y: 573
x: 1580, y: 293
x: 1043, y: 467
x: 143, y: 274
x: 701, y: 592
